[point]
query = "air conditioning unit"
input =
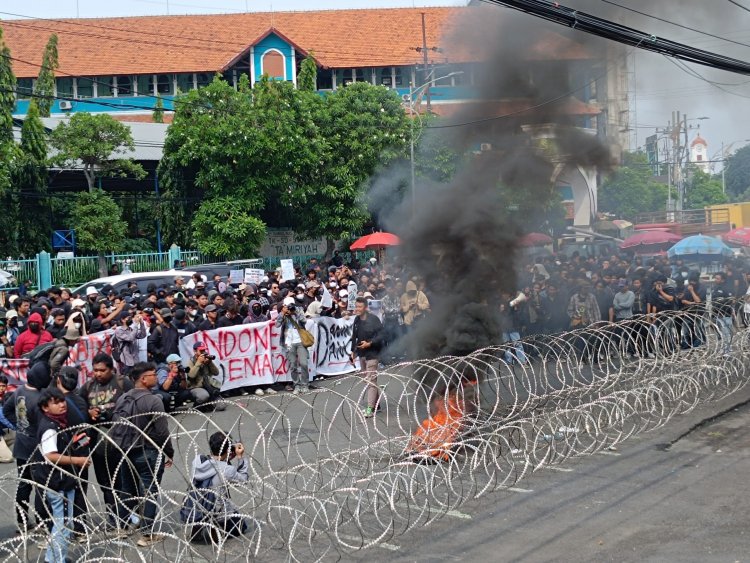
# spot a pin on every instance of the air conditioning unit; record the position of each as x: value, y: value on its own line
x: 406, y: 98
x: 484, y: 147
x: 66, y: 105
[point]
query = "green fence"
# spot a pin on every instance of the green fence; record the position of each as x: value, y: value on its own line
x: 20, y: 270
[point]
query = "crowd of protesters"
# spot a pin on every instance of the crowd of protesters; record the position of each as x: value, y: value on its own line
x: 554, y: 294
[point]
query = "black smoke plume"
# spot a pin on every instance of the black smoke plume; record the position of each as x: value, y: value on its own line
x: 461, y: 237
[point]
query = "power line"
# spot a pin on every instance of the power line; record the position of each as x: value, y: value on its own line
x: 739, y: 5
x: 657, y: 18
x: 561, y: 15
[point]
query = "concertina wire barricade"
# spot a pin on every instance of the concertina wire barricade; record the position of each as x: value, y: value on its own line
x: 324, y: 481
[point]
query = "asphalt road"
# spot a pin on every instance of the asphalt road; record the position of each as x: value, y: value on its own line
x: 644, y: 502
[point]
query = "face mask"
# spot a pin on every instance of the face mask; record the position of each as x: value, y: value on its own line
x: 34, y: 327
x: 256, y: 310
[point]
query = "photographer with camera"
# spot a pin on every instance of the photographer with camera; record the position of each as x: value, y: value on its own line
x: 125, y: 346
x: 172, y: 384
x: 201, y: 375
x: 291, y: 320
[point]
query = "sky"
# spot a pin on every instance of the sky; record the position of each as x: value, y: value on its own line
x: 657, y: 86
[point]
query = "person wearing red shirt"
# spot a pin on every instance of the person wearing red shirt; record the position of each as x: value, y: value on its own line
x: 33, y: 337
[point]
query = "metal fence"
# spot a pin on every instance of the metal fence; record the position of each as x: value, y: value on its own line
x: 20, y: 270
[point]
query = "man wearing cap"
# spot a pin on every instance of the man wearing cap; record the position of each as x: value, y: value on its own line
x: 182, y: 323
x: 12, y: 332
x: 290, y: 320
x: 211, y: 320
x: 172, y: 383
x: 164, y: 338
x: 125, y: 347
x: 92, y: 296
x: 201, y: 377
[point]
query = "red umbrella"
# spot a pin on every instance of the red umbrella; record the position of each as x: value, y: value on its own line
x: 650, y: 238
x: 375, y: 241
x: 739, y: 237
x: 535, y: 239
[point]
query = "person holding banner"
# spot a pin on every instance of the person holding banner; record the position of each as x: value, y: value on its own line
x: 290, y: 321
x: 367, y: 341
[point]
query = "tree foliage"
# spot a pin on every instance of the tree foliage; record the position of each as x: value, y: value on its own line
x: 737, y: 174
x: 276, y: 147
x: 99, y: 142
x: 30, y: 186
x: 158, y: 113
x: 702, y: 190
x: 631, y: 189
x: 97, y: 220
x: 224, y: 227
x: 45, y: 82
x: 308, y: 75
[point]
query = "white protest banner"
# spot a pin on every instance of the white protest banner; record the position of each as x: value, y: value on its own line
x: 330, y: 353
x: 252, y: 354
x: 287, y: 269
x: 327, y: 300
x: 236, y: 276
x: 254, y: 275
x: 81, y: 355
x: 352, y: 290
x: 248, y: 354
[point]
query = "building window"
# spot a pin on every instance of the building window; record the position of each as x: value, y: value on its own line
x: 325, y: 79
x: 164, y: 83
x: 104, y: 86
x: 24, y: 88
x: 124, y: 85
x: 184, y: 82
x: 273, y: 64
x: 398, y: 77
x: 65, y: 87
x: 85, y: 87
x: 203, y: 79
x: 145, y: 87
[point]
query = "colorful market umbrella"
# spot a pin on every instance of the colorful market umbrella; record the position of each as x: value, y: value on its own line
x: 375, y: 241
x: 700, y: 245
x: 535, y: 239
x: 740, y: 237
x: 650, y: 238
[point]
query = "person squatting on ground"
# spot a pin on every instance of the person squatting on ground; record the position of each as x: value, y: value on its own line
x: 213, y: 475
x: 201, y: 378
x: 367, y: 341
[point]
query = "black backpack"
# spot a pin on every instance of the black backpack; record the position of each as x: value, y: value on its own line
x: 40, y: 354
x: 125, y: 432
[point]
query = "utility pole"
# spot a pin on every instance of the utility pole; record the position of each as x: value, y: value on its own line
x: 428, y: 77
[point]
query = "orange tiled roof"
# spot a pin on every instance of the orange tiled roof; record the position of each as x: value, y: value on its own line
x: 209, y: 43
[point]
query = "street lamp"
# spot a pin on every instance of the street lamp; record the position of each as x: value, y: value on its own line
x: 412, y: 93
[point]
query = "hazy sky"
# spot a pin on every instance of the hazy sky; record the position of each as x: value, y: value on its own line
x: 658, y: 86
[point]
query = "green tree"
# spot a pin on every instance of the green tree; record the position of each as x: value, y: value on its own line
x: 702, y: 190
x: 158, y: 114
x: 308, y: 74
x: 631, y: 189
x: 30, y: 185
x: 99, y: 143
x: 225, y: 228
x: 45, y: 82
x: 365, y: 128
x: 8, y: 153
x: 98, y: 224
x: 737, y: 174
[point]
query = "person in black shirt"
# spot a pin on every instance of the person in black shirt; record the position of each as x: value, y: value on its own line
x: 367, y: 341
x: 693, y: 300
x: 722, y: 295
x: 212, y: 317
x: 662, y: 298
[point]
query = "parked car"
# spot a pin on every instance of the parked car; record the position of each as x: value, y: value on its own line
x: 143, y: 279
